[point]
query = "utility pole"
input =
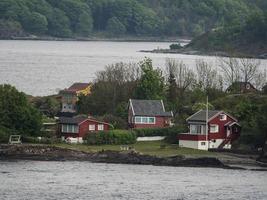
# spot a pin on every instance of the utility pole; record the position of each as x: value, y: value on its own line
x: 207, y: 124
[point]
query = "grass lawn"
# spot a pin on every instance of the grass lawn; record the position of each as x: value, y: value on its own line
x: 156, y: 148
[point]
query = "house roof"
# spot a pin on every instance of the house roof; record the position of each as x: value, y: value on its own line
x: 149, y: 108
x: 78, y: 86
x: 72, y: 120
x: 74, y: 88
x: 238, y: 85
x: 201, y: 115
x: 79, y: 119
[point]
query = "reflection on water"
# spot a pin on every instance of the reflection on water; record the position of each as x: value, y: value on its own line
x: 43, y: 67
x: 84, y: 180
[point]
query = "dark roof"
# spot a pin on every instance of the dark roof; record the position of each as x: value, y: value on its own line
x: 72, y: 120
x: 65, y: 114
x: 238, y: 85
x: 149, y: 108
x: 78, y: 119
x: 201, y: 115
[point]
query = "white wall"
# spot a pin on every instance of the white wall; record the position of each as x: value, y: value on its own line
x: 193, y: 144
x: 153, y: 138
x: 215, y: 144
x: 197, y: 144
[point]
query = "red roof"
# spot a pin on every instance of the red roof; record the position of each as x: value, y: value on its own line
x: 78, y: 86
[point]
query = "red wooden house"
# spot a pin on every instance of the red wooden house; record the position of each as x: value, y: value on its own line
x: 78, y: 126
x: 148, y: 114
x: 223, y: 129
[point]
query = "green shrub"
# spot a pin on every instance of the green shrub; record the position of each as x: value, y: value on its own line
x: 175, y: 46
x: 170, y: 133
x: 110, y: 137
x: 4, y: 134
x: 43, y: 140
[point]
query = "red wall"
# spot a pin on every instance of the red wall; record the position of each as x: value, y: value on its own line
x: 160, y: 123
x: 222, y: 130
x: 84, y: 128
x: 191, y: 137
x: 222, y: 133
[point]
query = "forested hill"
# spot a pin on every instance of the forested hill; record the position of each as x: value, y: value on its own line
x: 243, y: 39
x: 83, y: 18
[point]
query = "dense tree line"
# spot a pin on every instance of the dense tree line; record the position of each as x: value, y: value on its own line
x: 72, y: 18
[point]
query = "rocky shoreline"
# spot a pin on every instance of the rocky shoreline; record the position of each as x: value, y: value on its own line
x: 51, y: 153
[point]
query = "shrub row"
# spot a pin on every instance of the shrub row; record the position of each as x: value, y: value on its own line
x: 170, y: 132
x: 43, y: 140
x: 110, y: 137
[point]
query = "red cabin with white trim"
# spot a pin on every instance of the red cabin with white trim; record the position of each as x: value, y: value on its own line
x: 78, y: 126
x: 223, y: 129
x: 148, y: 114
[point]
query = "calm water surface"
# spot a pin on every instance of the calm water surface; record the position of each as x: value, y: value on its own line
x: 84, y: 180
x: 44, y: 67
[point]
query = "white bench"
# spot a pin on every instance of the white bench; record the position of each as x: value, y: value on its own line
x: 14, y: 139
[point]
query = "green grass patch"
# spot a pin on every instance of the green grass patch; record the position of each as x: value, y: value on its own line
x: 155, y: 148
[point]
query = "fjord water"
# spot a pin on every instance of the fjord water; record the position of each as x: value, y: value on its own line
x: 84, y: 180
x: 44, y: 67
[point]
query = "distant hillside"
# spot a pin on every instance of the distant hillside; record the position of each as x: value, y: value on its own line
x: 116, y: 18
x: 248, y: 39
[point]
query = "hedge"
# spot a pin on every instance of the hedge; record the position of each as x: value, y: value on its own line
x: 170, y: 132
x: 110, y: 137
x: 5, y: 133
x: 43, y: 140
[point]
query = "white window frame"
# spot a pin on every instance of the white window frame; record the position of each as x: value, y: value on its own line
x: 144, y: 120
x: 223, y: 117
x: 216, y: 128
x: 100, y: 127
x: 69, y: 128
x: 91, y: 127
x: 201, y: 127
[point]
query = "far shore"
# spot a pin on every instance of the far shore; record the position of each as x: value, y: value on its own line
x: 187, y: 51
x: 96, y: 38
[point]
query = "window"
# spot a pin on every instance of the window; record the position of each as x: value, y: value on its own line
x: 91, y: 127
x: 145, y: 120
x: 138, y: 120
x: 151, y: 120
x: 100, y: 127
x: 214, y: 128
x: 223, y: 117
x: 197, y: 129
x: 203, y: 143
x: 69, y: 128
x: 64, y: 128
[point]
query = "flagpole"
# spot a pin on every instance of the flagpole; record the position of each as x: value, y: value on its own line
x: 207, y: 118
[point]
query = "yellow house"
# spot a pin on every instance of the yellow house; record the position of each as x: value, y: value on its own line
x: 69, y: 96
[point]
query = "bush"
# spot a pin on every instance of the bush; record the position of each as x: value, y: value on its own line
x: 4, y: 134
x: 111, y: 137
x: 170, y: 133
x: 175, y: 46
x: 43, y: 140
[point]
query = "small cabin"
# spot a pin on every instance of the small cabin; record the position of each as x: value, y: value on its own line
x: 241, y: 87
x: 79, y: 126
x: 148, y: 114
x: 223, y: 129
